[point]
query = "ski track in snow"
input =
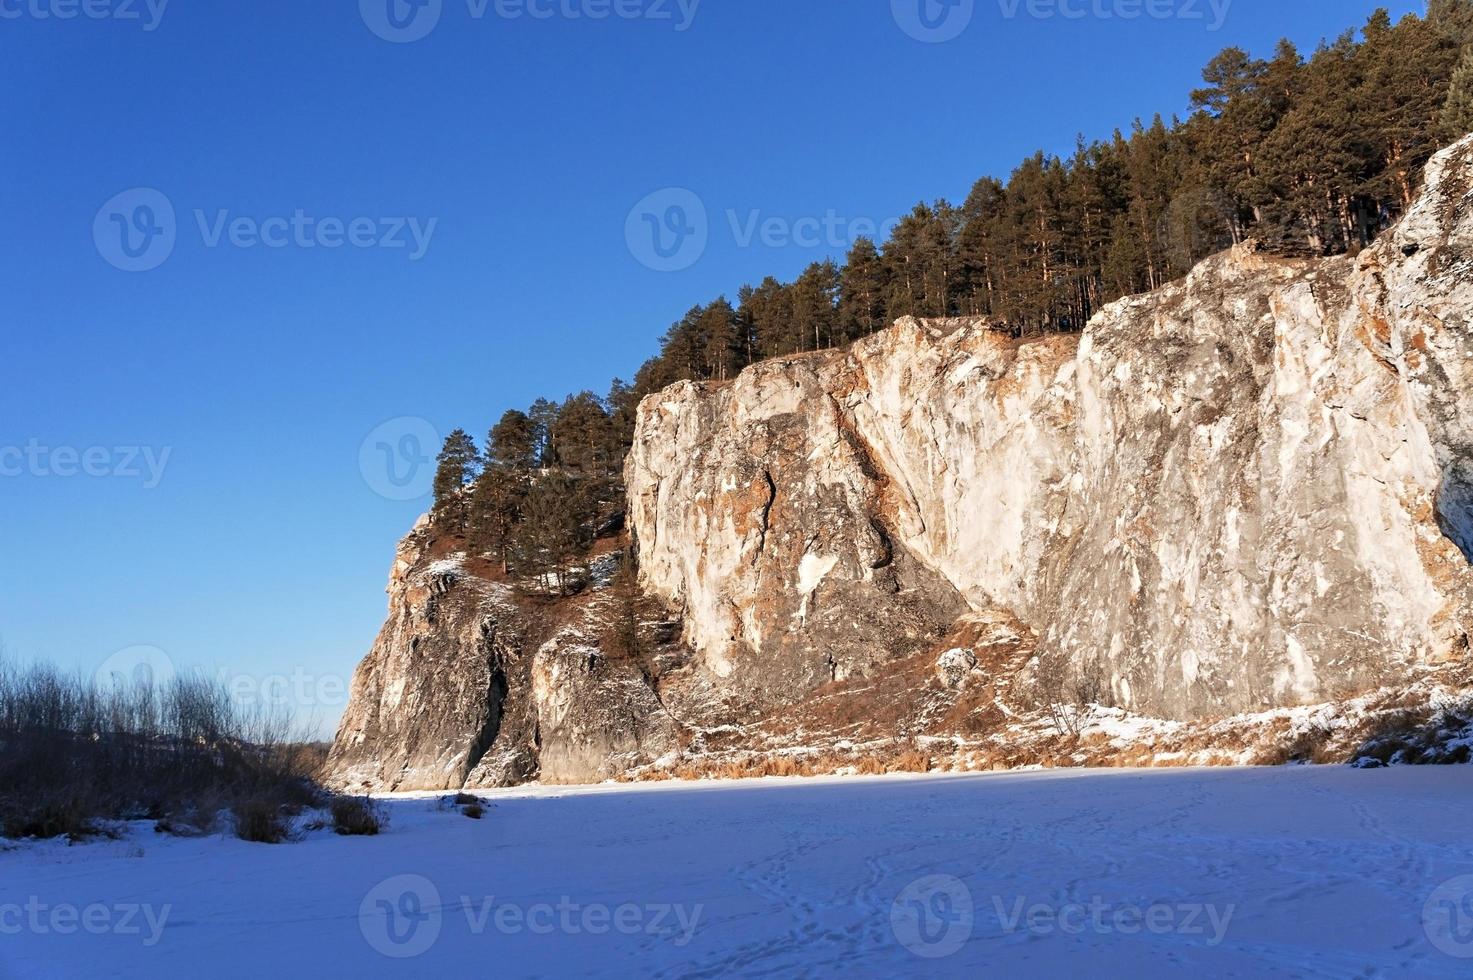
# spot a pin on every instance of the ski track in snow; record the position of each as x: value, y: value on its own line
x: 1325, y: 870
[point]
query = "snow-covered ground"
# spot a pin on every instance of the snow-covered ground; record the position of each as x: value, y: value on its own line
x: 1264, y: 872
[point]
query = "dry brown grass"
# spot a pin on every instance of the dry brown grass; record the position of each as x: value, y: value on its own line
x: 354, y: 816
x: 260, y: 820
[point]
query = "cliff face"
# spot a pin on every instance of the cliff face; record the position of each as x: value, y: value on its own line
x: 1251, y: 488
x: 470, y: 684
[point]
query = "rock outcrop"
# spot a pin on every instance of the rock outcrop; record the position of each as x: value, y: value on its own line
x: 1250, y: 488
x: 468, y: 687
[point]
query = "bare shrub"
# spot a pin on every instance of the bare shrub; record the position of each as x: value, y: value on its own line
x: 74, y: 751
x: 912, y: 761
x: 260, y: 820
x: 357, y: 816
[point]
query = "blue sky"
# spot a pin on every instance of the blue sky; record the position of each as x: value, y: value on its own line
x: 243, y: 379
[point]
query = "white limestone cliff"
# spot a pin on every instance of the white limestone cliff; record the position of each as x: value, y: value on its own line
x: 1251, y: 488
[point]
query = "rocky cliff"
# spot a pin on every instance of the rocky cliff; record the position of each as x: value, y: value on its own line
x: 473, y: 683
x: 1248, y: 490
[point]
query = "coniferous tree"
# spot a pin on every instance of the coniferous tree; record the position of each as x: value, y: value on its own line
x: 978, y: 249
x: 862, y: 290
x: 1401, y: 70
x: 813, y: 298
x: 1453, y: 19
x: 553, y: 531
x: 581, y: 436
x: 495, y: 509
x: 720, y: 331
x: 455, y: 467
x: 1456, y: 116
x: 768, y: 308
x: 623, y: 404
x: 542, y: 414
x: 513, y: 442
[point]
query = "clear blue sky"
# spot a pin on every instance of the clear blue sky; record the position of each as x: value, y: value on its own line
x: 263, y: 550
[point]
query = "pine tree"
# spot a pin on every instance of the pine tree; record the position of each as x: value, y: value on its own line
x: 495, y: 508
x: 978, y: 259
x: 1456, y: 116
x: 553, y: 530
x: 1315, y: 160
x: 456, y: 466
x: 862, y: 290
x: 581, y: 436
x: 720, y: 331
x: 623, y: 403
x: 768, y: 309
x: 1401, y: 68
x: 542, y: 414
x: 513, y: 442
x: 813, y: 299
x: 1453, y: 19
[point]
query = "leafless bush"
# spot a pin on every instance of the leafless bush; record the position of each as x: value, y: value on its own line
x: 357, y: 816
x: 260, y: 820
x: 73, y: 751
